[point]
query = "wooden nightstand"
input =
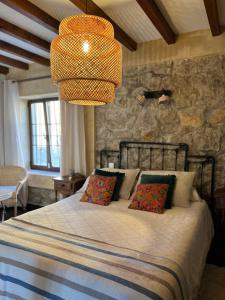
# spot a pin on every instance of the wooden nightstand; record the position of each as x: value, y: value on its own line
x: 67, y: 186
x: 217, y: 251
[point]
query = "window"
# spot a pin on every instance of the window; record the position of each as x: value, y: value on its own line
x: 45, y: 131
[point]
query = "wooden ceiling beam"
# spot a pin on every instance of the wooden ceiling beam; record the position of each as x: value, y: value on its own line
x: 23, y: 35
x: 120, y: 34
x: 23, y: 53
x: 4, y: 70
x: 213, y: 16
x: 154, y: 14
x: 34, y: 13
x: 13, y: 62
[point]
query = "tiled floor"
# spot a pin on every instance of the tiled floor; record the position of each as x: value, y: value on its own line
x: 213, y: 284
x: 10, y: 211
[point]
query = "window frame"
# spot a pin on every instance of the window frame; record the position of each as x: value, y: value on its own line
x: 32, y: 165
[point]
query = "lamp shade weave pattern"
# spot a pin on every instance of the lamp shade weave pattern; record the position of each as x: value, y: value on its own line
x: 86, y: 60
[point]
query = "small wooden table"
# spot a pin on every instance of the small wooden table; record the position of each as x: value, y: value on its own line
x: 67, y: 185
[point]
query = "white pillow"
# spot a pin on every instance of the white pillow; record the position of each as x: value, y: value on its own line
x: 195, y: 196
x: 183, y: 188
x: 128, y: 182
x: 84, y: 186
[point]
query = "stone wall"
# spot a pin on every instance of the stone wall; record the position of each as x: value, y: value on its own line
x: 41, y: 189
x: 195, y: 115
x: 40, y: 196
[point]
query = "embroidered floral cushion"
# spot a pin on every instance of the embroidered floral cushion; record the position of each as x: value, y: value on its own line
x: 167, y: 179
x: 119, y: 180
x: 150, y: 197
x: 99, y: 190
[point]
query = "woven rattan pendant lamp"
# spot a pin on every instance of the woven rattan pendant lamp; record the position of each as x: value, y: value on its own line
x: 86, y: 60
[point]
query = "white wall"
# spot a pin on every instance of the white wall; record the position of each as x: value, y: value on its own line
x: 35, y: 87
x: 30, y: 90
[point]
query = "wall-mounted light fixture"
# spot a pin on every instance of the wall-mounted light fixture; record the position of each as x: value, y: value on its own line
x: 162, y: 96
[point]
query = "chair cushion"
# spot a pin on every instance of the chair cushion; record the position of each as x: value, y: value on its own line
x: 12, y: 201
x: 9, y: 188
x: 10, y: 175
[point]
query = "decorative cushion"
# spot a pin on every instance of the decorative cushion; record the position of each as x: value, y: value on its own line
x: 99, y: 190
x: 167, y: 179
x: 84, y: 186
x: 128, y: 182
x: 183, y: 188
x: 120, y: 177
x: 150, y: 197
x: 195, y: 196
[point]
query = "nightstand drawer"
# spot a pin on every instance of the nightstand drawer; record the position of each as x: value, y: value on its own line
x: 66, y: 186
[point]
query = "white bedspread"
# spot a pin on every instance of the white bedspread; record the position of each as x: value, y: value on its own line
x: 180, y: 234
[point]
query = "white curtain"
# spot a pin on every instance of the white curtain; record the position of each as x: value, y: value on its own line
x: 2, y: 148
x: 73, y: 145
x: 10, y: 144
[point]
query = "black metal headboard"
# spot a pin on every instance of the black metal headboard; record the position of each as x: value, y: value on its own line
x: 149, y: 155
x: 163, y: 156
x: 109, y: 156
x: 204, y: 166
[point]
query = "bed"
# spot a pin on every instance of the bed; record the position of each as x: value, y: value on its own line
x: 76, y: 250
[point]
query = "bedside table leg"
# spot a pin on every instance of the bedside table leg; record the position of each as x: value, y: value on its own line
x: 56, y: 198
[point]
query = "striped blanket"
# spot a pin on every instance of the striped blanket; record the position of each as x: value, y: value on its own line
x: 37, y: 262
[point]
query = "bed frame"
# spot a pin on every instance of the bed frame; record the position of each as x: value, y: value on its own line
x: 204, y: 166
x: 164, y: 156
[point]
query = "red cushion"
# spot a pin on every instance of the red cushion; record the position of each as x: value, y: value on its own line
x: 99, y: 190
x: 150, y: 197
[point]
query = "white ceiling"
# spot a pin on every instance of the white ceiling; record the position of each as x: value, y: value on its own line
x: 14, y: 56
x: 23, y: 22
x: 182, y: 15
x: 131, y: 18
x: 57, y: 8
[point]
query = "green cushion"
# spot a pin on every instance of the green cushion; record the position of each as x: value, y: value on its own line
x: 119, y: 181
x: 168, y: 179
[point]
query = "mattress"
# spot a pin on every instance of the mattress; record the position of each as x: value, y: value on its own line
x: 178, y: 240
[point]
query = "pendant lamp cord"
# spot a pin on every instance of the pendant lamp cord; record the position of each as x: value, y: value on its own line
x: 86, y: 7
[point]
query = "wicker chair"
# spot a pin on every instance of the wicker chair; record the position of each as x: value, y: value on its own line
x: 13, y: 176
